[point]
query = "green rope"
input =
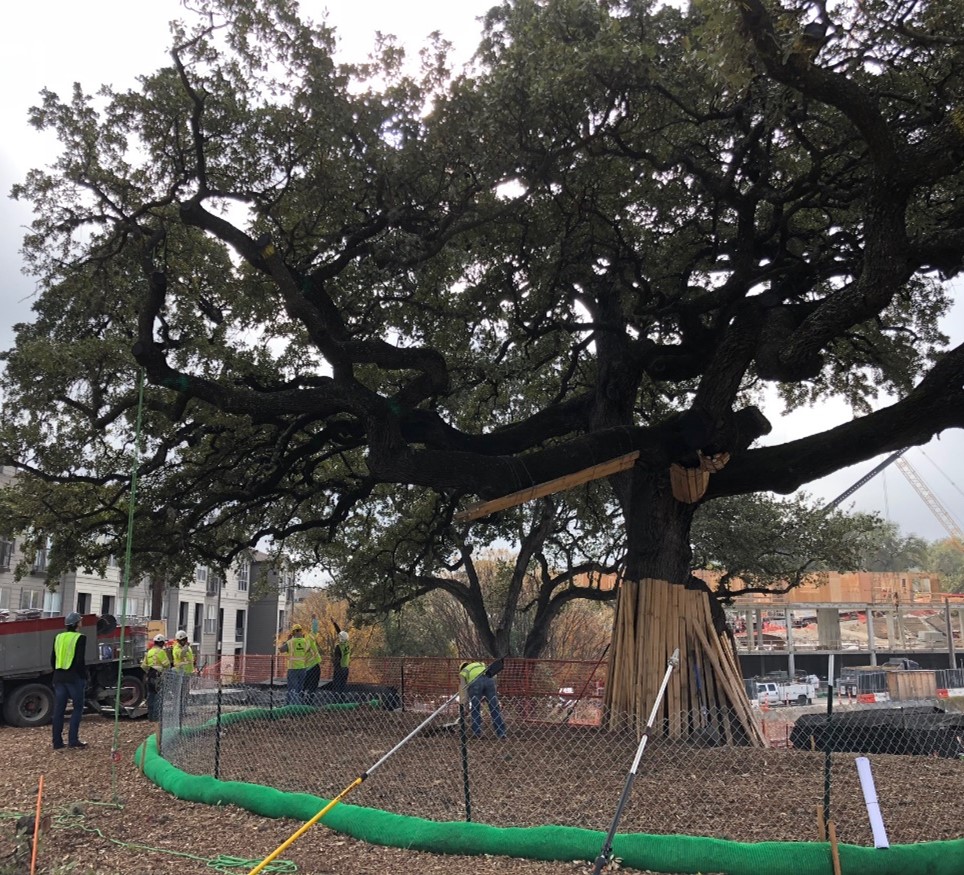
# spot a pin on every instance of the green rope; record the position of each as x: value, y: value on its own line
x: 220, y: 863
x: 115, y: 747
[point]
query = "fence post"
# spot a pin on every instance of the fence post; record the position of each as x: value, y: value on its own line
x: 217, y: 730
x: 828, y: 744
x: 465, y: 762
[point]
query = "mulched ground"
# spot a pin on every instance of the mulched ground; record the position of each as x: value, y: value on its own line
x: 570, y: 775
x: 102, y: 817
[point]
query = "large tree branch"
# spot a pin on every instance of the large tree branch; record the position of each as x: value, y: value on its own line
x: 936, y: 404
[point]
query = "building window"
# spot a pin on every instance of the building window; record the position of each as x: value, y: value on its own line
x: 4, y: 599
x: 31, y: 599
x: 210, y: 620
x: 244, y: 576
x: 40, y: 562
x: 83, y: 603
x: 6, y: 553
x: 106, y: 604
x: 239, y: 626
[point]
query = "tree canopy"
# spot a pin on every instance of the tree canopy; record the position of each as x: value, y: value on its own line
x: 350, y: 287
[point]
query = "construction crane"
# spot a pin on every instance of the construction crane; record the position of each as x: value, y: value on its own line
x: 922, y: 489
x: 893, y: 457
x: 938, y: 509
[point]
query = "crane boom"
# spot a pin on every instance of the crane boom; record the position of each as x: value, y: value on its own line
x: 893, y: 457
x: 931, y: 500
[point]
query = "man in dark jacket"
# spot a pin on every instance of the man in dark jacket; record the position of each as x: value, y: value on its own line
x: 70, y: 678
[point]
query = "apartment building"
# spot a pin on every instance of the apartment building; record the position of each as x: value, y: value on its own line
x: 224, y: 614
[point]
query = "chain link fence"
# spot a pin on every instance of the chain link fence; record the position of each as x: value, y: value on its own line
x: 564, y: 761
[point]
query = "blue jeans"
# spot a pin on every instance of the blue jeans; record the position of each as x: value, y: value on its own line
x: 483, y: 687
x: 296, y: 685
x: 155, y: 697
x: 64, y: 690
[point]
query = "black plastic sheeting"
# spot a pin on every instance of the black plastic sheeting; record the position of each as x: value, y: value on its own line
x: 918, y: 731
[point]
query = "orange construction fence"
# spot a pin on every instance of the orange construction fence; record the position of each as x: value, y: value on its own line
x: 561, y: 682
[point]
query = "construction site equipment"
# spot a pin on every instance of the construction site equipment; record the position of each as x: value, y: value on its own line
x: 920, y: 487
x: 606, y: 853
x: 26, y: 688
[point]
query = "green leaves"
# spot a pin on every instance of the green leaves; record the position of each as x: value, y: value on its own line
x: 481, y: 282
x: 768, y: 543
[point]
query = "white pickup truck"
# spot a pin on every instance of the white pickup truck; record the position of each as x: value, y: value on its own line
x: 785, y: 693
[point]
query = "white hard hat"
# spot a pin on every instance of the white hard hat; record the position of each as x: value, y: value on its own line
x: 159, y: 638
x: 343, y: 635
x: 181, y: 634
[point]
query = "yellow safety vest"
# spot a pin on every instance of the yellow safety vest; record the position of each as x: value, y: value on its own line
x: 345, y: 648
x: 65, y: 647
x: 156, y: 658
x: 313, y: 657
x: 472, y: 671
x: 298, y: 650
x: 183, y: 658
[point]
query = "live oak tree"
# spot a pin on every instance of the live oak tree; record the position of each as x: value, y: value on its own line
x: 629, y: 229
x: 567, y: 552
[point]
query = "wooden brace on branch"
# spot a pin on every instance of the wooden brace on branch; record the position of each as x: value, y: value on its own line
x: 603, y: 469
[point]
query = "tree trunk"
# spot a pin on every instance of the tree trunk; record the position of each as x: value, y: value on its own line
x: 158, y: 588
x: 661, y: 609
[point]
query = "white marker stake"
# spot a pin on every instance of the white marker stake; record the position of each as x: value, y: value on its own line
x: 873, y: 807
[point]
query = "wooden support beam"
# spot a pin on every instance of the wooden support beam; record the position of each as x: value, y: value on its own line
x: 603, y: 469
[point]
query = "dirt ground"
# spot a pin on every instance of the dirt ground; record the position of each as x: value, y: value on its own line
x: 105, y: 818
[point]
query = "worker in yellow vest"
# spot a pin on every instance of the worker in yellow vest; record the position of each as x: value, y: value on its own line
x: 300, y: 651
x: 312, y: 671
x: 182, y: 656
x: 69, y: 679
x: 475, y: 685
x: 155, y: 662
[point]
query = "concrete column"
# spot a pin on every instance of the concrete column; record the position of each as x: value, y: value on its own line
x: 758, y: 616
x: 871, y: 636
x: 952, y: 657
x: 791, y: 655
x: 828, y: 628
x: 889, y: 619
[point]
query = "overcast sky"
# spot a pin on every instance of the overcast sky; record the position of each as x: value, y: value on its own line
x: 52, y: 43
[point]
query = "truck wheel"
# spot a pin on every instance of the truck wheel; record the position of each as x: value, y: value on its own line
x: 132, y: 691
x: 29, y: 705
x: 802, y: 700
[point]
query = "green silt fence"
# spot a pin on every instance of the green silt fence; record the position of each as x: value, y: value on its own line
x: 657, y: 853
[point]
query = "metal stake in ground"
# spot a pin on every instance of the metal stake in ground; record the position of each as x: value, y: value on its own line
x: 606, y: 853
x: 491, y: 671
